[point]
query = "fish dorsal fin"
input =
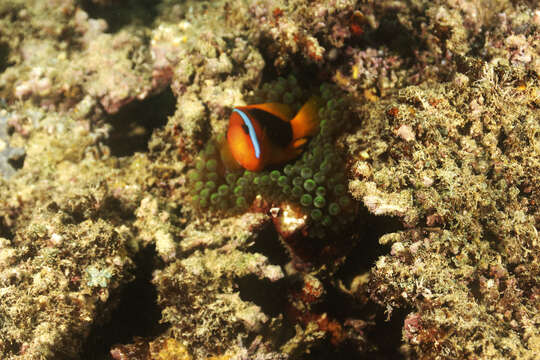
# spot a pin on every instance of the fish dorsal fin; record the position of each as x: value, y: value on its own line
x: 282, y: 111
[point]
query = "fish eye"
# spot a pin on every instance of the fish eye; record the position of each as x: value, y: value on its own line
x: 245, y: 128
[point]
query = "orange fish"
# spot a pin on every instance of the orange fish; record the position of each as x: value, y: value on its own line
x: 268, y: 134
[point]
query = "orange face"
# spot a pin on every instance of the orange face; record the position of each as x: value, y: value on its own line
x: 243, y: 136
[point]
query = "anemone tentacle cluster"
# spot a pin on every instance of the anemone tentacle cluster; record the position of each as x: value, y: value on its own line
x: 316, y: 181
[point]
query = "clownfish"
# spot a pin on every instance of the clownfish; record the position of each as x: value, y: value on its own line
x: 268, y: 134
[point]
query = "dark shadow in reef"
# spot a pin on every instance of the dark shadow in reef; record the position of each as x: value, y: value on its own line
x: 268, y: 244
x: 393, y: 35
x: 5, y: 231
x: 367, y: 248
x: 384, y: 341
x: 119, y: 14
x: 297, y: 66
x: 270, y: 296
x: 17, y: 162
x: 4, y: 54
x: 383, y: 337
x: 386, y: 335
x: 136, y: 315
x: 134, y: 123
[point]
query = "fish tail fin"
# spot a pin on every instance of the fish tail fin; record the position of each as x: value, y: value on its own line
x: 306, y: 122
x: 298, y: 144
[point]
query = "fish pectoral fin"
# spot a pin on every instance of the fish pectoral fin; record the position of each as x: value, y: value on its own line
x: 299, y: 143
x: 297, y: 146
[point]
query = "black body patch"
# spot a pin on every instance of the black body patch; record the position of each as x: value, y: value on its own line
x: 277, y: 130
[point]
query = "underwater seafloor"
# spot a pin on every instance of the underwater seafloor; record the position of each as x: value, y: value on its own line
x: 408, y: 229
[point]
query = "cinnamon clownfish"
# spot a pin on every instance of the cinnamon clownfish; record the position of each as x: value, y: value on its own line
x: 268, y: 134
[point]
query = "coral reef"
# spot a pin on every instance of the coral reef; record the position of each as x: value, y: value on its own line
x: 408, y: 228
x: 54, y: 233
x: 457, y: 158
x: 317, y: 30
